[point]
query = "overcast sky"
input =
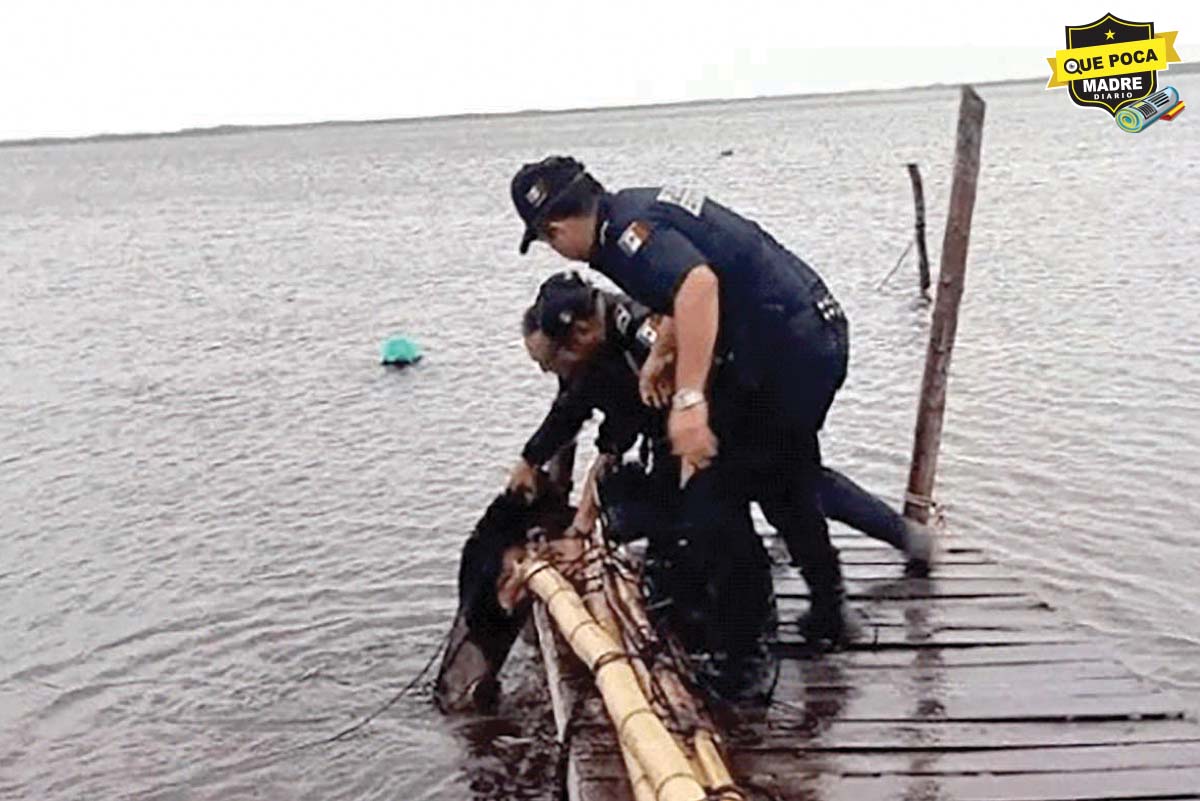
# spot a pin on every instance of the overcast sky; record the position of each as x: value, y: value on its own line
x: 78, y: 68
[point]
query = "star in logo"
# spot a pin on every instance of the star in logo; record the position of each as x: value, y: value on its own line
x: 1108, y: 34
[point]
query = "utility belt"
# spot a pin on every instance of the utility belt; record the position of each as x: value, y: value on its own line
x: 747, y: 353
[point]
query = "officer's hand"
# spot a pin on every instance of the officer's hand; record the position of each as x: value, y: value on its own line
x: 523, y: 479
x: 510, y: 584
x: 691, y: 438
x: 655, y: 381
x: 582, y: 526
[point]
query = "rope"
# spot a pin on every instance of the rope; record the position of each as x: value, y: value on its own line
x: 923, y: 501
x: 396, y: 698
x: 892, y: 271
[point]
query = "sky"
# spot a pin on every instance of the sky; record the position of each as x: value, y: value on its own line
x: 82, y: 68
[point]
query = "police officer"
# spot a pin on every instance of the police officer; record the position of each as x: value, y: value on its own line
x: 735, y: 298
x: 595, y: 343
x: 719, y: 590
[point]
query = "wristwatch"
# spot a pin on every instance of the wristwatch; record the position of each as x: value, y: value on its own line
x: 687, y: 398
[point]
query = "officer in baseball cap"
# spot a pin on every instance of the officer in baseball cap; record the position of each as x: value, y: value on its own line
x: 760, y: 338
x: 555, y: 187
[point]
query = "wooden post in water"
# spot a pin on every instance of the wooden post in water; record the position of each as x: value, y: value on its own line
x: 932, y: 406
x: 914, y: 173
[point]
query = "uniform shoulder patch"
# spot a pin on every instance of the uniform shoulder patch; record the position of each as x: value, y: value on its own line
x: 690, y: 200
x: 622, y: 317
x: 633, y: 237
x: 646, y: 334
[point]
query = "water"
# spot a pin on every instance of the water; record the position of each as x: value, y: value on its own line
x: 227, y: 532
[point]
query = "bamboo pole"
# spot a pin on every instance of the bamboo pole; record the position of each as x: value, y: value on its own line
x: 932, y: 406
x: 712, y: 770
x: 597, y: 604
x: 638, y: 728
x: 628, y: 602
x: 716, y: 774
x: 914, y: 174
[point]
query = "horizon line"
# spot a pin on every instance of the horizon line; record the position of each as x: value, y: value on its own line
x: 238, y: 128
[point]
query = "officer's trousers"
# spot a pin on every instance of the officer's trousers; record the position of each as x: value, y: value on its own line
x: 725, y: 564
x: 769, y: 441
x: 847, y: 502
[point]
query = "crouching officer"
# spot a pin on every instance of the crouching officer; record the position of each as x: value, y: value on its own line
x: 731, y: 292
x: 713, y: 576
x: 594, y: 342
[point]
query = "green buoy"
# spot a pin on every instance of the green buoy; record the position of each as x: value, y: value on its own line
x: 400, y: 351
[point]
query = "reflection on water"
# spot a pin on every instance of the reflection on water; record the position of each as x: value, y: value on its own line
x: 227, y: 532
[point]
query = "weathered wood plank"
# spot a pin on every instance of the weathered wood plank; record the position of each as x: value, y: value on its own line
x: 854, y: 571
x: 885, y: 637
x: 1127, y: 785
x: 1141, y: 756
x: 1078, y: 677
x: 856, y: 736
x: 876, y: 703
x: 942, y: 764
x: 817, y: 782
x: 1048, y: 654
x: 924, y: 616
x: 886, y: 588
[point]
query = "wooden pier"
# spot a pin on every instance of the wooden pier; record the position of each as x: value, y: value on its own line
x: 965, y: 687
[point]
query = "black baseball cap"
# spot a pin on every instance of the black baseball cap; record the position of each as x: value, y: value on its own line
x: 562, y: 299
x: 538, y: 187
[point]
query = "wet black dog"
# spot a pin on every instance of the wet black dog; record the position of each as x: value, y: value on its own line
x: 483, y: 632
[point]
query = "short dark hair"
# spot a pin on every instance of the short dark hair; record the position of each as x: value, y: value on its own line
x: 580, y: 199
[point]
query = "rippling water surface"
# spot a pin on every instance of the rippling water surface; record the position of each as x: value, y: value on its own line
x: 228, y: 533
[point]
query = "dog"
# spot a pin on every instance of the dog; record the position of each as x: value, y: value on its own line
x: 484, y: 627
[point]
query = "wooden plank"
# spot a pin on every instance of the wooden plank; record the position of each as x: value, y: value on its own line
x: 885, y: 637
x: 1176, y: 785
x: 601, y: 764
x: 876, y: 702
x: 1038, y: 654
x: 871, y: 556
x: 1130, y: 785
x: 1079, y: 677
x: 847, y: 540
x: 856, y: 736
x: 572, y: 695
x: 854, y: 571
x: 951, y: 736
x: 1139, y: 756
x: 923, y: 616
x: 892, y: 588
x: 918, y: 686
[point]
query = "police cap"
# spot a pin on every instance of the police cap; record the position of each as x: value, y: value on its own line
x: 538, y: 187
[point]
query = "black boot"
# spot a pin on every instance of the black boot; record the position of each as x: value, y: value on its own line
x: 744, y: 669
x: 827, y: 625
x: 746, y: 678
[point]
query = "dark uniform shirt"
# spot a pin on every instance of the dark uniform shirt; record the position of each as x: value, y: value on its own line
x: 609, y: 383
x: 649, y: 240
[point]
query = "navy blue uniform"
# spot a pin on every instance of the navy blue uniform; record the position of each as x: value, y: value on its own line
x: 610, y: 384
x: 781, y: 354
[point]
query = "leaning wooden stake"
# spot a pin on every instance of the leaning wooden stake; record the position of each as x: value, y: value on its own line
x: 914, y: 173
x: 932, y: 406
x: 638, y: 728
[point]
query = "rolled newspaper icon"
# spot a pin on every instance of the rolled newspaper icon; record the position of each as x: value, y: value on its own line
x: 1141, y: 114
